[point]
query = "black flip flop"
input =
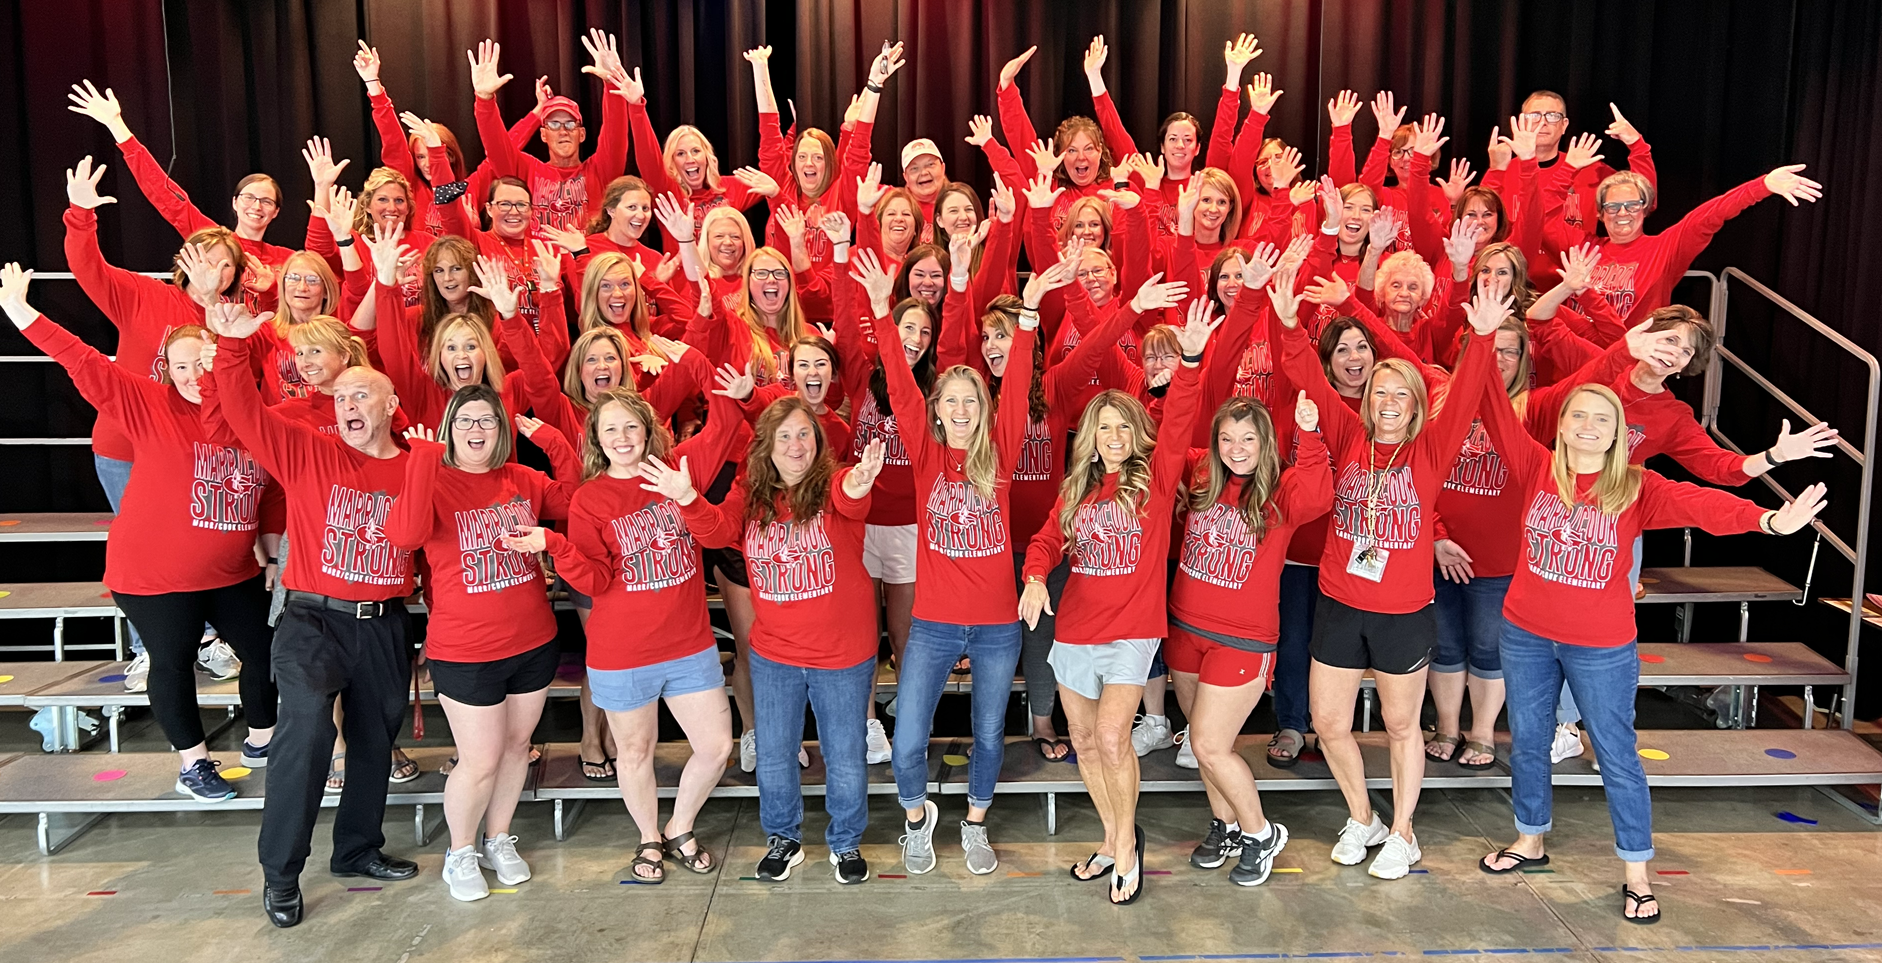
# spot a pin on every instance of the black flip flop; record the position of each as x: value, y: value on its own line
x: 602, y: 765
x: 1522, y: 862
x: 1137, y: 871
x: 1102, y: 871
x: 1638, y: 901
x: 1040, y: 743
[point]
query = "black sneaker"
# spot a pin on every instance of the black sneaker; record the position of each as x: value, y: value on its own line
x: 254, y: 757
x: 1216, y: 848
x: 1258, y: 856
x: 203, y: 783
x: 850, y: 867
x: 783, y: 854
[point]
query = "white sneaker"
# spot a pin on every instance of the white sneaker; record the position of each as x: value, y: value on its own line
x: 1150, y: 734
x: 499, y: 855
x: 1395, y: 858
x: 879, y: 748
x: 980, y: 856
x: 1185, y: 753
x: 748, y: 751
x: 918, y: 844
x: 1357, y: 837
x: 1567, y: 743
x: 464, y: 876
x: 218, y: 659
x: 137, y: 674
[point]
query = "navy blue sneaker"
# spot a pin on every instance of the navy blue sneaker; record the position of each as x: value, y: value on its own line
x: 203, y: 783
x: 254, y: 757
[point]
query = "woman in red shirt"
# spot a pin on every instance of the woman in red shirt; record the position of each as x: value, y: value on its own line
x: 1375, y: 573
x: 491, y: 641
x: 1570, y: 611
x: 1112, y: 518
x: 195, y: 495
x: 799, y: 520
x: 1225, y: 609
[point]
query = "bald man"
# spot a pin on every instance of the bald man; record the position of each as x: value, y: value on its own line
x: 343, y: 632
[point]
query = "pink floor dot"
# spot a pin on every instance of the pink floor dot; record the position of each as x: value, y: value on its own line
x: 110, y: 775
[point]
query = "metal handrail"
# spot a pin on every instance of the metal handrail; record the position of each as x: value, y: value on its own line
x: 40, y: 358
x: 1858, y: 552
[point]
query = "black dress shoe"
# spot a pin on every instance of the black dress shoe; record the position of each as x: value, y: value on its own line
x: 283, y: 906
x: 383, y: 867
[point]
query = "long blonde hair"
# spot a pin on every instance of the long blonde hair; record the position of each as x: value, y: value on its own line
x: 487, y: 346
x: 1619, y: 482
x: 983, y: 458
x: 1220, y: 179
x: 672, y: 165
x: 1085, y: 473
x: 572, y: 370
x: 598, y: 269
x: 380, y: 177
x: 705, y: 229
x: 1212, y: 476
x: 330, y: 298
x: 659, y: 442
x: 1421, y: 401
x: 790, y: 325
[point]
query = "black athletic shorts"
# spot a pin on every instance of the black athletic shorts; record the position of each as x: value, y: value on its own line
x: 731, y: 561
x: 1348, y: 638
x: 487, y: 683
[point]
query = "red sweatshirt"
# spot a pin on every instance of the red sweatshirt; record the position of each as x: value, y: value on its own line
x: 892, y: 501
x: 1479, y: 504
x: 1117, y: 589
x: 195, y: 493
x: 676, y: 384
x: 1226, y: 581
x: 338, y: 498
x: 487, y: 602
x: 649, y: 157
x: 564, y: 197
x: 1571, y: 584
x: 1381, y: 491
x: 179, y: 212
x: 811, y: 597
x: 395, y: 151
x: 421, y: 397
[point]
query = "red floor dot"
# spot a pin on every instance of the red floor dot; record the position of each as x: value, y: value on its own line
x: 1756, y: 657
x: 1655, y: 659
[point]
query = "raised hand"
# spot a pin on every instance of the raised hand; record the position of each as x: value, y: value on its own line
x: 1385, y: 225
x: 733, y: 383
x: 1262, y: 95
x: 629, y: 85
x: 425, y: 129
x: 1808, y: 443
x: 485, y: 79
x: 886, y: 63
x: 980, y: 130
x: 1331, y: 203
x: 1654, y: 348
x: 703, y: 307
x: 1282, y: 297
x: 1012, y: 67
x: 1001, y: 202
x: 319, y: 157
x: 1383, y: 112
x: 548, y: 264
x: 1500, y: 150
x: 1236, y: 54
x: 1426, y: 137
x: 1284, y: 166
x: 604, y: 51
x: 791, y: 221
x: 102, y: 108
x: 527, y: 426
x: 1461, y: 246
x: 1331, y: 292
x: 1461, y: 176
x: 1343, y: 108
x: 1295, y: 256
x: 564, y: 238
x: 1157, y: 294
x: 420, y: 433
x: 1258, y: 267
x: 1522, y: 139
x: 869, y: 189
x: 13, y: 284
x: 1043, y: 158
x: 202, y: 266
x: 758, y: 55
x: 1787, y: 184
x: 81, y: 185
x: 1578, y: 264
x: 1622, y: 128
x: 1095, y: 56
x: 675, y: 218
x: 385, y: 249
x: 668, y: 482
x: 1122, y: 200
x: 757, y: 181
x: 493, y: 282
x: 366, y: 63
x: 1583, y: 151
x: 231, y: 319
x: 1051, y: 279
x: 836, y: 226
x: 859, y: 479
x: 543, y: 93
x: 1040, y: 194
x: 1484, y: 312
x: 1306, y: 413
x: 1200, y: 323
x: 1150, y: 170
x: 1798, y: 513
x: 876, y: 282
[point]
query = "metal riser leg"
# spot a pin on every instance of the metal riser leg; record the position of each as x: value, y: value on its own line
x: 58, y: 830
x: 421, y: 830
x: 565, y: 819
x: 1842, y: 795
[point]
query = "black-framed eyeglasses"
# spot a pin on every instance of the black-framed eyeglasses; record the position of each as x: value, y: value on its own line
x: 1400, y: 153
x: 510, y: 207
x: 770, y: 274
x: 256, y: 200
x: 1545, y: 116
x: 561, y: 124
x: 1623, y: 207
x: 487, y: 422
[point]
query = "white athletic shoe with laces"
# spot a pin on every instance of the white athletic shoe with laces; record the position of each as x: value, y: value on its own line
x: 1567, y: 743
x: 218, y: 659
x: 748, y: 751
x: 464, y: 876
x: 499, y: 856
x: 879, y: 749
x: 1150, y: 734
x: 1357, y: 837
x: 137, y: 674
x: 1395, y: 858
x: 1185, y: 753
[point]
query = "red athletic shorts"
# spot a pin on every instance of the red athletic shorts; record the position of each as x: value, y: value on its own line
x: 1214, y: 663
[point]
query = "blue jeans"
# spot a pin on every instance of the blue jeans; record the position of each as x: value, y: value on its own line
x: 1565, y: 709
x: 840, y: 698
x: 1300, y: 589
x: 1470, y: 624
x: 1605, y: 681
x: 932, y: 650
x: 113, y: 475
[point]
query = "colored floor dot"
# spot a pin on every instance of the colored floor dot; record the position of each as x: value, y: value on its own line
x: 102, y: 521
x: 1654, y: 754
x: 4, y: 594
x: 1780, y: 753
x: 1756, y: 657
x: 109, y: 775
x: 10, y: 522
x: 1655, y: 659
x: 954, y: 760
x: 235, y: 772
x: 113, y: 677
x: 4, y: 679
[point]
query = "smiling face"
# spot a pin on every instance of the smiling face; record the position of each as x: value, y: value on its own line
x: 1097, y: 275
x: 768, y: 285
x: 898, y: 223
x: 1158, y: 358
x: 363, y: 403
x: 256, y: 205
x: 1509, y: 356
x: 623, y: 438
x: 1083, y: 157
x: 1549, y: 135
x: 916, y: 330
x: 183, y: 361
x: 473, y: 434
x: 1351, y: 362
x: 1212, y: 209
x: 1356, y: 217
x: 1238, y: 444
x: 1477, y: 211
x: 810, y: 166
x: 996, y: 346
x: 814, y: 374
x: 1495, y: 276
x: 957, y: 406
x: 1115, y: 438
x: 725, y: 244
x: 389, y: 205
x: 794, y: 447
x: 1402, y: 293
x: 689, y: 157
x: 303, y: 290
x: 602, y: 367
x: 1088, y: 225
x: 927, y: 280
x: 955, y: 213
x: 1588, y: 424
x: 562, y: 134
x: 1228, y: 285
x: 615, y: 294
x: 1680, y: 339
x: 924, y: 177
x: 1391, y: 402
x: 317, y: 366
x: 461, y: 355
x: 509, y: 211
x: 452, y: 279
x: 1181, y: 143
x: 1269, y: 151
x: 1623, y: 212
x: 631, y: 214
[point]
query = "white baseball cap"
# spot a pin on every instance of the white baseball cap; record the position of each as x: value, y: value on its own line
x: 918, y: 147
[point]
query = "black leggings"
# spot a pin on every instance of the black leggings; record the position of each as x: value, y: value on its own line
x: 172, y: 627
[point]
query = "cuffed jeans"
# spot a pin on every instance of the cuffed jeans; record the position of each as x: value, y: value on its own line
x: 840, y: 698
x: 932, y: 650
x: 1470, y: 625
x: 1605, y: 681
x: 113, y: 476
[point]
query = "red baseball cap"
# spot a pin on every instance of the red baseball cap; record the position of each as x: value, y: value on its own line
x: 559, y: 102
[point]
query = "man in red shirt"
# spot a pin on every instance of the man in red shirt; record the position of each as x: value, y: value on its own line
x: 343, y: 633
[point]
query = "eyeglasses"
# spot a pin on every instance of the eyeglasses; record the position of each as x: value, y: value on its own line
x: 561, y: 124
x: 301, y: 278
x: 487, y: 423
x: 510, y: 207
x: 1623, y: 207
x: 1512, y: 354
x: 1400, y: 153
x: 1545, y: 116
x: 770, y: 274
x: 253, y: 200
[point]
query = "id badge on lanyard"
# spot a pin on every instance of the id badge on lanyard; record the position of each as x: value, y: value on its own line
x: 1367, y: 561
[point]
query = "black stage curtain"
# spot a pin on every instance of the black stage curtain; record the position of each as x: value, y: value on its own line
x: 1725, y: 90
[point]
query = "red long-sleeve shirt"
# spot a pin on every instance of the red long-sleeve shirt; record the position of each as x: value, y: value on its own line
x: 1228, y: 582
x: 421, y: 397
x: 1117, y: 588
x: 1571, y: 582
x: 542, y: 385
x: 564, y: 197
x: 892, y: 501
x: 1479, y: 503
x: 177, y: 210
x: 653, y: 169
x: 338, y: 497
x: 811, y: 597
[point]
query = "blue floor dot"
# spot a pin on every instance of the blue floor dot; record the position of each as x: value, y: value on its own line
x: 114, y: 677
x: 1780, y: 753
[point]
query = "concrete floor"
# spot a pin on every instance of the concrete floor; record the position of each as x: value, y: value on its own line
x: 172, y: 875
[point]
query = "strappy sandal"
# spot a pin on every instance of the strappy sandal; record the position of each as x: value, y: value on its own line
x: 1096, y: 864
x: 1290, y: 743
x: 1479, y: 748
x: 1133, y: 879
x: 1638, y: 902
x: 698, y: 862
x: 404, y: 771
x: 605, y: 766
x: 336, y: 776
x: 1438, y: 739
x: 1522, y: 862
x: 640, y: 859
x: 1043, y: 745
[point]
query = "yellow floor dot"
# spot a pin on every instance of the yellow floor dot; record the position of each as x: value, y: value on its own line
x: 4, y: 679
x: 235, y: 772
x: 1654, y: 754
x: 954, y: 760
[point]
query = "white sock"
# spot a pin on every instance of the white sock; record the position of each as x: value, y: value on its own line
x: 1156, y: 720
x: 1234, y: 827
x: 1267, y: 832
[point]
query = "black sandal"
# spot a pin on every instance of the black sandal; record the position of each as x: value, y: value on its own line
x: 607, y: 771
x: 1042, y: 744
x: 699, y: 862
x: 1093, y: 867
x: 1639, y: 902
x: 1136, y: 875
x: 659, y: 850
x: 1522, y: 862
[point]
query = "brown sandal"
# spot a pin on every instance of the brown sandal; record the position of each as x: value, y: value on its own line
x: 699, y: 861
x: 640, y: 859
x: 1479, y: 749
x: 1443, y: 740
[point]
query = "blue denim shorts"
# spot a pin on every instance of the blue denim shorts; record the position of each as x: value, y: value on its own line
x: 624, y: 690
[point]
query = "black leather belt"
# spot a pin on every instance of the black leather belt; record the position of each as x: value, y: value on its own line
x: 358, y: 610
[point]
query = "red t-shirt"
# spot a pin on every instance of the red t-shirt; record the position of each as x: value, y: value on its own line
x: 338, y: 497
x: 1226, y: 581
x: 1480, y: 506
x: 812, y: 600
x: 564, y: 197
x: 196, y: 499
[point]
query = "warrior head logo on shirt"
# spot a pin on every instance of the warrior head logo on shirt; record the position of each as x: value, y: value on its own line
x: 1254, y: 370
x: 656, y: 548
x: 1479, y: 469
x: 1576, y: 546
x: 1615, y: 281
x: 1635, y: 435
x: 485, y: 565
x: 353, y: 543
x: 961, y: 523
x: 1383, y: 512
x: 788, y: 561
x: 1107, y: 539
x: 1218, y: 547
x: 871, y: 424
x: 226, y: 493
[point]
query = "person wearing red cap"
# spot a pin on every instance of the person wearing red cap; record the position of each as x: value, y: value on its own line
x: 565, y: 190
